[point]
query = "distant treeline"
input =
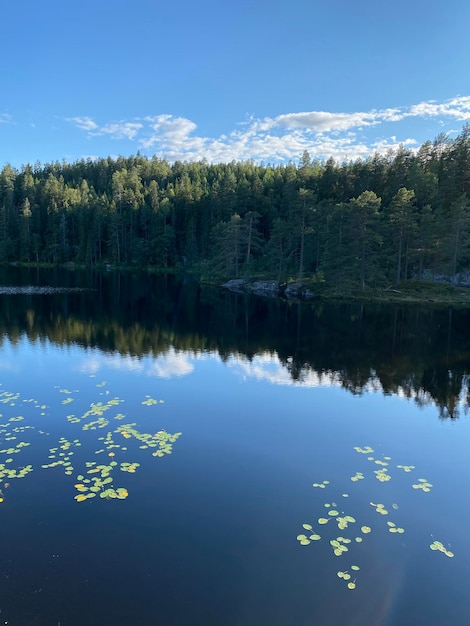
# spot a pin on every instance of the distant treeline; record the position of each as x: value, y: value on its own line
x: 368, y: 222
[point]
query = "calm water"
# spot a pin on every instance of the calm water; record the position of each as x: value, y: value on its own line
x: 269, y: 398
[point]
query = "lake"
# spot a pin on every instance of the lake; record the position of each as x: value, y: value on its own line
x: 179, y: 456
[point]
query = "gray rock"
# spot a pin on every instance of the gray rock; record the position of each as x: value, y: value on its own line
x: 293, y: 290
x: 238, y: 285
x: 265, y: 288
x: 298, y: 291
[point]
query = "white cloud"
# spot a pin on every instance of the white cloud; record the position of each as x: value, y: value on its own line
x: 457, y: 108
x: 267, y: 367
x: 165, y: 366
x: 119, y: 130
x: 322, y: 121
x: 96, y: 361
x: 343, y: 135
x: 172, y: 364
x: 116, y: 130
x: 5, y: 118
x: 84, y: 123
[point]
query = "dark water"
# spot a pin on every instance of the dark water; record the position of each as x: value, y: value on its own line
x: 270, y: 397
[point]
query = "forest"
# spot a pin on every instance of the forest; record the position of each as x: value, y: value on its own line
x: 367, y: 223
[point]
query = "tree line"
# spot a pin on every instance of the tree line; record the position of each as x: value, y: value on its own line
x: 369, y: 222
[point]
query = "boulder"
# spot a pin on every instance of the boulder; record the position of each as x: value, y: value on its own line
x: 265, y: 288
x: 239, y: 285
x: 298, y: 291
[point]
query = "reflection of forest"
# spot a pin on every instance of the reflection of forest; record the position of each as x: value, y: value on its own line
x: 421, y: 352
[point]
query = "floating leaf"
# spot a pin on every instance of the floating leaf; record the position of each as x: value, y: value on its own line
x: 366, y: 529
x: 423, y: 484
x: 351, y: 585
x: 307, y: 526
x: 323, y: 520
x: 356, y: 568
x: 437, y: 545
x: 382, y: 475
x: 379, y: 508
x: 366, y: 450
x: 357, y: 476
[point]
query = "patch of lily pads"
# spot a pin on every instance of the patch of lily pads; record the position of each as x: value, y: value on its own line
x: 321, y: 485
x: 437, y: 545
x: 95, y: 479
x: 423, y: 484
x: 342, y: 545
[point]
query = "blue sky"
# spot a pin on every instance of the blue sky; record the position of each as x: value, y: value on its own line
x: 258, y: 79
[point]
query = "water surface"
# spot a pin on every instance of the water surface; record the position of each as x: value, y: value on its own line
x: 269, y: 398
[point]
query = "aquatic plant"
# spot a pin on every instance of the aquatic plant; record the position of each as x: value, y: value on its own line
x: 340, y: 545
x: 95, y: 478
